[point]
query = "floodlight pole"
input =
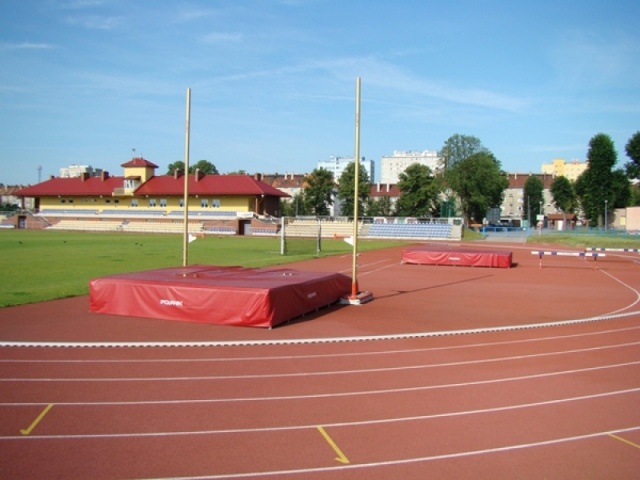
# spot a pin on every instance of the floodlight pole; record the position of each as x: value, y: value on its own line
x: 354, y: 281
x: 185, y: 239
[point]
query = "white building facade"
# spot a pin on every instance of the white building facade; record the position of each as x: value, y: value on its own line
x: 73, y: 171
x: 393, y: 165
x: 336, y: 165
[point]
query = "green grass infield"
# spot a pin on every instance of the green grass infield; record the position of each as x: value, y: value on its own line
x: 46, y: 265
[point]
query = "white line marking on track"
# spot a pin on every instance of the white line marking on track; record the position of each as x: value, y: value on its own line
x: 627, y: 286
x: 305, y: 341
x: 321, y: 373
x: 359, y: 423
x: 263, y: 358
x: 353, y: 393
x: 406, y: 461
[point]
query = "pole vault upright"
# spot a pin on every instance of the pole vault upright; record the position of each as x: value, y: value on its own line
x: 185, y: 239
x: 357, y: 297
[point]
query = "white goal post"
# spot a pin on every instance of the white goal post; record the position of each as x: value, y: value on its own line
x: 300, y: 236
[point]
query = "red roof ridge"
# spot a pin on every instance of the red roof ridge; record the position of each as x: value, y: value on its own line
x: 139, y: 162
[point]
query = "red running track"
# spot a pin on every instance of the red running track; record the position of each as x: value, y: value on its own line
x: 510, y: 400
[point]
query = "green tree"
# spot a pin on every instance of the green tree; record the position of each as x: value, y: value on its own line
x: 564, y: 196
x: 479, y: 184
x: 457, y: 148
x: 621, y: 189
x: 346, y: 189
x: 203, y: 166
x: 175, y: 166
x: 595, y: 186
x: 583, y: 193
x: 633, y: 152
x: 294, y: 207
x: 419, y: 192
x: 533, y: 198
x: 634, y: 196
x: 318, y: 191
x: 379, y: 207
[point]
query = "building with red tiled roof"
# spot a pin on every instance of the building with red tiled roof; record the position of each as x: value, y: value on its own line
x: 139, y: 189
x: 139, y: 162
x: 379, y: 190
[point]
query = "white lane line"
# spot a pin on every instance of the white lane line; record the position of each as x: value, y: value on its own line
x: 405, y: 461
x: 323, y: 340
x: 318, y: 373
x: 353, y: 393
x: 262, y: 359
x: 632, y: 304
x: 358, y: 423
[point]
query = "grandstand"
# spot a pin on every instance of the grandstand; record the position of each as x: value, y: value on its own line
x: 160, y: 227
x: 397, y: 228
x: 87, y: 225
x: 222, y: 222
x: 410, y: 230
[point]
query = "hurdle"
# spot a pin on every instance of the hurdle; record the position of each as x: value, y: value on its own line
x: 542, y: 253
x: 601, y: 249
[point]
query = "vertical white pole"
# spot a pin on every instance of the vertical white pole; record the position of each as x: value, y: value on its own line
x: 282, y: 235
x: 185, y: 240
x: 354, y: 279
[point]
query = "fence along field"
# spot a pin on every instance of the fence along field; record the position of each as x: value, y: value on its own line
x: 45, y: 265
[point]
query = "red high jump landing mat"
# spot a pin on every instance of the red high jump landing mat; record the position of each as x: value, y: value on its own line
x: 220, y: 295
x: 457, y: 256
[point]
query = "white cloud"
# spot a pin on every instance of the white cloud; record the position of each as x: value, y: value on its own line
x: 389, y: 77
x: 95, y: 22
x: 591, y: 59
x: 80, y: 4
x: 187, y: 15
x: 221, y: 38
x: 25, y: 46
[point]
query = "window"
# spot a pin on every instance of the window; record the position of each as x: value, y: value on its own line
x: 152, y: 202
x: 181, y: 203
x: 134, y: 202
x: 204, y: 203
x: 215, y: 203
x: 163, y: 202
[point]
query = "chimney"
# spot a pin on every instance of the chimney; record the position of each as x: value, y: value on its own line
x: 258, y: 176
x: 104, y: 175
x: 85, y: 176
x: 198, y: 175
x: 177, y: 173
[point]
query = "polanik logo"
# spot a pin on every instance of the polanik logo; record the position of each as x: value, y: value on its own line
x: 171, y: 303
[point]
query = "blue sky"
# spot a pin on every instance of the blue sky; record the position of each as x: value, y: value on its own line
x: 273, y: 81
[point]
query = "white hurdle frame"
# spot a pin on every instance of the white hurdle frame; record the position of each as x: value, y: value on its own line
x: 556, y: 253
x: 600, y: 249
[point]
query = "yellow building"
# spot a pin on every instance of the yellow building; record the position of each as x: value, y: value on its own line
x: 561, y: 168
x: 142, y: 201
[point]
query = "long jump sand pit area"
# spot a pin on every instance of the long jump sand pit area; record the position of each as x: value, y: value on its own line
x: 450, y: 372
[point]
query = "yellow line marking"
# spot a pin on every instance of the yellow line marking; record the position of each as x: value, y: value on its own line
x: 624, y: 440
x: 341, y: 456
x: 37, y: 420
